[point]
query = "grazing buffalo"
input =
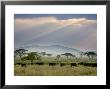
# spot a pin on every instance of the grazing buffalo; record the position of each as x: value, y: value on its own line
x: 94, y: 64
x: 81, y: 63
x: 90, y: 64
x: 18, y: 63
x: 62, y: 64
x: 23, y: 65
x: 87, y: 64
x: 40, y: 63
x: 32, y: 63
x: 73, y: 64
x: 52, y: 64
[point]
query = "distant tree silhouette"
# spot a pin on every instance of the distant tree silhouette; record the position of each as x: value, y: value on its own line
x: 39, y: 57
x: 49, y: 54
x: 58, y: 56
x: 74, y: 56
x: 32, y: 56
x: 91, y: 54
x: 68, y: 54
x: 43, y: 53
x: 15, y: 54
x: 20, y: 52
x: 82, y: 54
x: 25, y: 58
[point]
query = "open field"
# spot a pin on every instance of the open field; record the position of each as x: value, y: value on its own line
x: 52, y: 67
x: 45, y: 70
x: 62, y: 59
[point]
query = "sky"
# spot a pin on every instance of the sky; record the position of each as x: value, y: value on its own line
x: 77, y: 31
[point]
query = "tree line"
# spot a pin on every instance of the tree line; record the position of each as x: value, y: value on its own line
x: 24, y: 55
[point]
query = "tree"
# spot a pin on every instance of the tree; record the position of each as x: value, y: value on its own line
x: 32, y: 56
x: 38, y: 57
x: 20, y: 52
x: 68, y: 54
x: 49, y: 54
x: 91, y: 54
x: 58, y: 56
x: 25, y: 58
x: 81, y: 54
x: 43, y: 53
x: 15, y: 54
x: 73, y: 56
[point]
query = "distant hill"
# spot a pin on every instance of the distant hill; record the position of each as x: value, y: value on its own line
x: 53, y: 49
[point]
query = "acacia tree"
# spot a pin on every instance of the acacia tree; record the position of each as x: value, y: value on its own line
x: 58, y: 56
x: 73, y: 56
x: 68, y: 54
x: 43, y: 53
x: 91, y: 54
x: 81, y: 54
x: 15, y: 54
x: 20, y: 52
x: 38, y: 57
x: 49, y: 54
x: 32, y: 56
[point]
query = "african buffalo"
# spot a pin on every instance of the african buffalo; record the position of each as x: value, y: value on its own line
x: 18, y: 63
x: 81, y: 63
x: 62, y: 64
x: 73, y: 64
x: 90, y: 64
x: 94, y: 64
x: 40, y: 63
x: 52, y: 64
x: 23, y: 65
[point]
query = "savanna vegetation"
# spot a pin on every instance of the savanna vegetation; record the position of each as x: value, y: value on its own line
x: 44, y: 64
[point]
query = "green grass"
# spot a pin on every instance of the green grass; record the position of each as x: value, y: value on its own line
x: 57, y: 70
x: 53, y: 59
x: 45, y: 70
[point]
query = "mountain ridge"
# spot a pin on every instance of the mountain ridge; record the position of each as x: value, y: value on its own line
x: 53, y: 49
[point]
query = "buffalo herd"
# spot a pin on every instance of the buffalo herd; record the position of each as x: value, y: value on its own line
x: 61, y: 64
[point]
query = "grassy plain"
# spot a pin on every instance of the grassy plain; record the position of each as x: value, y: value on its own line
x: 56, y: 70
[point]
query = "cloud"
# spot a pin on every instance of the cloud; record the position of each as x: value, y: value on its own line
x: 34, y: 21
x: 88, y: 40
x: 43, y: 20
x: 80, y: 33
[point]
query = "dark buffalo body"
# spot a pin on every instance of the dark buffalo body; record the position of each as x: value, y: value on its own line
x: 94, y: 64
x: 52, y: 64
x: 73, y: 64
x: 23, y: 65
x: 62, y: 64
x: 40, y: 63
x: 18, y: 63
x: 90, y: 64
x: 81, y: 63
